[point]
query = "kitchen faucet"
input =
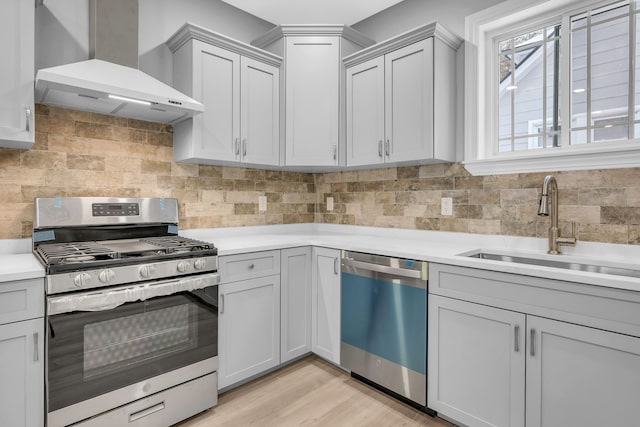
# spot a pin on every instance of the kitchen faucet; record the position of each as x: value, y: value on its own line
x: 550, y: 188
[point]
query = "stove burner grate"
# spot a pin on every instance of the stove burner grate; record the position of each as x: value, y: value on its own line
x: 148, y: 247
x: 58, y: 253
x: 172, y: 244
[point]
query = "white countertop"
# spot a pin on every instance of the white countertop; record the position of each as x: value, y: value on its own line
x: 19, y: 267
x: 432, y: 246
x: 17, y: 262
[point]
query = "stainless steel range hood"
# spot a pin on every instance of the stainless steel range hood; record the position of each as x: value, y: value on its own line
x: 110, y: 82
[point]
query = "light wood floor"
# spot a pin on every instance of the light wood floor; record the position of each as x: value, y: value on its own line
x: 310, y: 392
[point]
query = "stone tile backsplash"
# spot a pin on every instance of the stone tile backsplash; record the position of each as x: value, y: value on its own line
x: 85, y: 154
x: 605, y: 204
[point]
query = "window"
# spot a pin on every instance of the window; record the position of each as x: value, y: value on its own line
x: 528, y: 75
x: 554, y: 89
x: 601, y: 74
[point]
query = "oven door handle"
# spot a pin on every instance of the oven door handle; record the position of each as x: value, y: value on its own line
x: 113, y: 297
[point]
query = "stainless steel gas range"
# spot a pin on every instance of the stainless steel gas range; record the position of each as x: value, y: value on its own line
x: 132, y: 312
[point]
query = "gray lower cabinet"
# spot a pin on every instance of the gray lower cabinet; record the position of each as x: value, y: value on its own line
x: 22, y: 353
x: 580, y: 377
x: 476, y: 363
x: 249, y: 316
x: 506, y: 350
x: 295, y: 303
x: 325, y: 300
x: 276, y: 306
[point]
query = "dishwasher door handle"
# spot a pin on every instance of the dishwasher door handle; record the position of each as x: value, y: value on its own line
x: 402, y: 272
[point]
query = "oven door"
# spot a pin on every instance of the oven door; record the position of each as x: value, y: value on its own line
x: 109, y: 347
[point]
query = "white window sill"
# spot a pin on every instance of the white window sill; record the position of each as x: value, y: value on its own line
x: 552, y: 161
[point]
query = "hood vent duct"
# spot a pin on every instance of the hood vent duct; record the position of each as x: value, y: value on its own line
x: 110, y: 82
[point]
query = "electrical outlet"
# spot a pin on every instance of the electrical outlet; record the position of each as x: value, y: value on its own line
x: 446, y: 206
x: 329, y: 204
x: 262, y: 203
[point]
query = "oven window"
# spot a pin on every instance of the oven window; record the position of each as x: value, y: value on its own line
x: 92, y: 353
x: 124, y: 342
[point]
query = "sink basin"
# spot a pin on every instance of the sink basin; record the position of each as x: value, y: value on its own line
x: 592, y: 267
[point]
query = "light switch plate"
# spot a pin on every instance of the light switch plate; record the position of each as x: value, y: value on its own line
x: 329, y: 204
x: 446, y: 206
x: 262, y: 203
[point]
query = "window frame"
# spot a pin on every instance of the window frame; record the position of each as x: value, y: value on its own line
x: 481, y: 155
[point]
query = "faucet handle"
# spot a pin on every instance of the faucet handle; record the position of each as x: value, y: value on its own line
x: 569, y: 241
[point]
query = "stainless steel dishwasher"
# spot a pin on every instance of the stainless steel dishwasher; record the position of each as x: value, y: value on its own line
x: 384, y: 324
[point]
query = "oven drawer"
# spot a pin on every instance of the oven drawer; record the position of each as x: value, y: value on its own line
x: 164, y: 408
x: 21, y: 300
x: 233, y: 268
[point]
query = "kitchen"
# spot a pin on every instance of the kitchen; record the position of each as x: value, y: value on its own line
x: 83, y: 154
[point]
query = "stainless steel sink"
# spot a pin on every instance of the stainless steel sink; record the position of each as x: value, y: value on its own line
x: 594, y: 267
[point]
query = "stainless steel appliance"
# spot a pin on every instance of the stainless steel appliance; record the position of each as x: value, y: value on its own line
x: 384, y: 324
x: 132, y: 312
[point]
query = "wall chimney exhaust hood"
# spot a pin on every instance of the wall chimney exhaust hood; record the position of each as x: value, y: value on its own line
x: 110, y: 82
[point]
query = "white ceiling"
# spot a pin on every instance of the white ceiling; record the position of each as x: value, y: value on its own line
x: 312, y: 11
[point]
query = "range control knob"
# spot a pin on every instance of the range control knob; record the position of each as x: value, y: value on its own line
x: 147, y: 270
x: 182, y: 266
x: 200, y: 263
x: 106, y: 276
x: 82, y: 279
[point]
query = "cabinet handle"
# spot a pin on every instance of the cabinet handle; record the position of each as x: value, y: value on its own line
x: 251, y: 266
x: 244, y: 147
x: 533, y: 339
x: 516, y: 333
x: 387, y: 148
x: 35, y: 347
x: 27, y: 112
x: 380, y: 148
x: 335, y: 266
x: 236, y: 145
x: 335, y: 151
x: 221, y: 303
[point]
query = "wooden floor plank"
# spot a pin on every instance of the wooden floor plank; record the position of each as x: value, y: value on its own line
x: 310, y: 393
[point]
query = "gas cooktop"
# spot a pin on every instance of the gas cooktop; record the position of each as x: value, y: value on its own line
x: 75, y: 256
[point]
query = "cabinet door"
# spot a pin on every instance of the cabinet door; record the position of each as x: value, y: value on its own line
x: 580, y: 376
x: 365, y: 113
x: 409, y: 102
x: 295, y: 303
x: 260, y: 119
x: 216, y: 83
x: 16, y: 74
x: 249, y: 328
x: 476, y: 363
x: 22, y: 373
x: 325, y: 299
x: 312, y: 100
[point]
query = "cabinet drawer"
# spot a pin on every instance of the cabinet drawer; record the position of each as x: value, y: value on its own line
x: 599, y: 307
x: 21, y: 300
x: 248, y: 266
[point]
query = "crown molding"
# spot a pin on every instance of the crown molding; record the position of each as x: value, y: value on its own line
x: 432, y: 29
x: 343, y: 31
x: 190, y: 31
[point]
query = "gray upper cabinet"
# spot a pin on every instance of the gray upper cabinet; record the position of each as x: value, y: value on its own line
x: 17, y: 23
x: 401, y: 99
x: 313, y: 90
x: 239, y: 86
